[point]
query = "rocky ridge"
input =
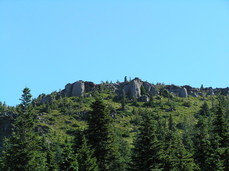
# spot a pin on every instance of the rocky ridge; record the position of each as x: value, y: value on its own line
x: 136, y: 88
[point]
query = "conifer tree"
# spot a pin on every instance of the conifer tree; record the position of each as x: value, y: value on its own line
x: 102, y: 137
x: 220, y: 128
x: 85, y: 157
x: 202, y: 151
x: 176, y: 156
x: 69, y: 161
x: 20, y: 150
x: 226, y: 159
x: 147, y: 152
x: 51, y: 160
x: 204, y: 110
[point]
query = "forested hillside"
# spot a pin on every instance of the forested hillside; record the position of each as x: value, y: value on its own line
x: 130, y: 125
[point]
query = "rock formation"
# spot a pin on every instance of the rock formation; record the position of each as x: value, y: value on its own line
x: 133, y: 89
x: 78, y: 89
x: 177, y: 90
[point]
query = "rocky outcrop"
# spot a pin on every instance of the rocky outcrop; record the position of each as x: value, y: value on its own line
x: 150, y: 88
x: 133, y: 89
x: 78, y: 89
x: 179, y: 91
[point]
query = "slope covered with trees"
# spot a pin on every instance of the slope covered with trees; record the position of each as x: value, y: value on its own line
x: 105, y: 130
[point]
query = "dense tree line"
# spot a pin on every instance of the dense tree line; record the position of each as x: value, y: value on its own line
x: 157, y: 144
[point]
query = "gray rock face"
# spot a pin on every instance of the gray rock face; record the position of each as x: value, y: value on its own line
x: 150, y: 88
x: 147, y: 86
x: 133, y: 89
x: 183, y: 92
x: 179, y: 91
x: 68, y: 90
x: 78, y: 88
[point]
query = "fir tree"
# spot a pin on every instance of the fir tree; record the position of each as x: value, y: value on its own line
x: 20, y: 150
x: 176, y: 156
x: 204, y: 110
x: 51, y: 164
x: 85, y: 157
x: 202, y: 152
x: 226, y: 159
x: 102, y: 137
x: 69, y: 161
x: 220, y: 128
x: 147, y: 152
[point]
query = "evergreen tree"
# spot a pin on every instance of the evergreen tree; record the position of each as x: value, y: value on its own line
x: 143, y: 90
x: 85, y: 157
x: 204, y: 110
x: 147, y: 152
x: 20, y: 150
x: 176, y: 156
x: 171, y: 124
x: 219, y: 139
x: 123, y: 101
x: 220, y: 128
x: 51, y: 164
x: 102, y: 137
x: 68, y: 159
x: 202, y: 152
x: 226, y: 159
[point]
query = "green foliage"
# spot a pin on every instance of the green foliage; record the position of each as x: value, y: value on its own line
x: 148, y: 154
x: 176, y: 156
x: 21, y: 148
x: 102, y: 138
x: 166, y: 133
x: 85, y: 156
x: 220, y: 128
x: 68, y: 161
x: 202, y: 145
x: 143, y: 90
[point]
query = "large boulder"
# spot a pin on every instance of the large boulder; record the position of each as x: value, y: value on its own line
x: 78, y: 89
x: 133, y: 89
x: 150, y: 88
x: 68, y: 90
x: 179, y: 91
x: 183, y: 92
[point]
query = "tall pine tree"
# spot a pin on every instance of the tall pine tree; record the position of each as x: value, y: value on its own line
x: 20, y: 150
x: 147, y: 154
x: 102, y: 137
x: 202, y: 150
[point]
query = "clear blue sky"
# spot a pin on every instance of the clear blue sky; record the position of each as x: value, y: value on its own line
x: 46, y: 44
